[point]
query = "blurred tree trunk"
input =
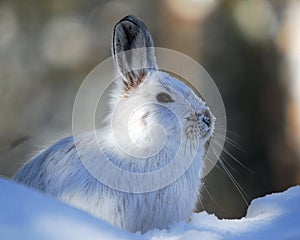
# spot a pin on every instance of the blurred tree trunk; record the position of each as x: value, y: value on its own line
x: 248, y: 74
x: 289, y: 42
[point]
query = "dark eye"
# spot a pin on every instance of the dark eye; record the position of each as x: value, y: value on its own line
x: 164, y: 98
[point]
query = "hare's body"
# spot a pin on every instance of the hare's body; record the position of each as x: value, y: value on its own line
x: 144, y: 102
x: 66, y: 178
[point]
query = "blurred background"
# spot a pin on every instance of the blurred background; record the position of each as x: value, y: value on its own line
x: 251, y: 49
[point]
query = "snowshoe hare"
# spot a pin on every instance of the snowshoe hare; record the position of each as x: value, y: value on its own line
x: 165, y: 121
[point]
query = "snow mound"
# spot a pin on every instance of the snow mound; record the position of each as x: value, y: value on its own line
x: 27, y: 214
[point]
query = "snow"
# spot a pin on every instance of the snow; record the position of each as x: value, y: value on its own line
x: 28, y: 214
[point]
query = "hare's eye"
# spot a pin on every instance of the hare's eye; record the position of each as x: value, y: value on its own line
x: 164, y: 98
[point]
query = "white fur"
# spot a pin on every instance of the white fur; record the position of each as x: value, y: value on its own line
x: 155, y: 130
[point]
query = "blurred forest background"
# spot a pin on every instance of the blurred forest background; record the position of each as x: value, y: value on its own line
x: 251, y: 48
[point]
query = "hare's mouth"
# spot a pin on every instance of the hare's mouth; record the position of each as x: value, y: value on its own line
x: 200, y: 125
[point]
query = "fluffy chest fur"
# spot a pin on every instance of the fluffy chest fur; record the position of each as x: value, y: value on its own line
x: 142, y: 211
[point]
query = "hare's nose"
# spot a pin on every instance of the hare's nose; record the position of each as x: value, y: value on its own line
x: 204, y: 119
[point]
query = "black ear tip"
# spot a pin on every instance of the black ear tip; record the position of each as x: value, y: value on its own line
x: 133, y: 20
x: 130, y: 18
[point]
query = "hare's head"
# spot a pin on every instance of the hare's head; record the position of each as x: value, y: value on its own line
x: 151, y: 109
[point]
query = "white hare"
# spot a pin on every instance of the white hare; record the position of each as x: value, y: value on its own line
x: 154, y: 119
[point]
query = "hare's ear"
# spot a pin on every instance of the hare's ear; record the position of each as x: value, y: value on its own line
x: 133, y: 50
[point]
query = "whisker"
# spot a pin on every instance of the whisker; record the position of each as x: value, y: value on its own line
x: 236, y: 184
x: 234, y: 158
x: 235, y: 144
x: 215, y: 165
x: 211, y: 197
x: 229, y: 165
x: 225, y: 166
x: 226, y: 130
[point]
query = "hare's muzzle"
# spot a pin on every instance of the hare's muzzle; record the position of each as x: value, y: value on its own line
x: 200, y: 124
x: 205, y: 120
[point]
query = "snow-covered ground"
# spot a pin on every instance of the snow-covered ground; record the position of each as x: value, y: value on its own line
x: 27, y: 214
